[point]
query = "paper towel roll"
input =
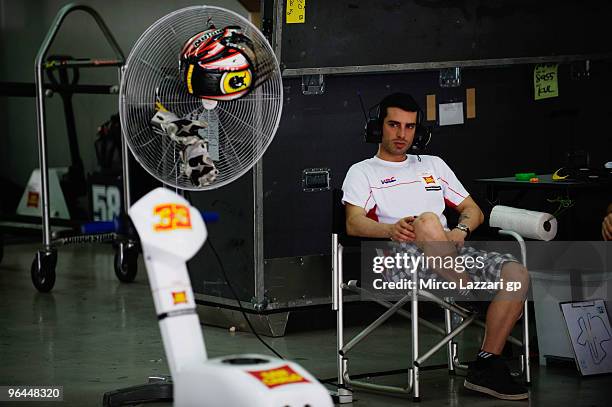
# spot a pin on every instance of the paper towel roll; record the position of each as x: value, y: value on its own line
x: 530, y: 224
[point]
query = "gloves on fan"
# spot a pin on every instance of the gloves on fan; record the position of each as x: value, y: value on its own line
x: 183, y: 131
x: 197, y: 164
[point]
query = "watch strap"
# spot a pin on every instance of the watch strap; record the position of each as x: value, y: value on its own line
x: 465, y: 228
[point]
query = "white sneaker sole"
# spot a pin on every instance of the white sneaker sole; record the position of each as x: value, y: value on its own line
x: 471, y: 386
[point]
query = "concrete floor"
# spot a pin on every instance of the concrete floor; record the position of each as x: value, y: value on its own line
x: 92, y: 334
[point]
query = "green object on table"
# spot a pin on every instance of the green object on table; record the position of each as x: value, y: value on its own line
x: 524, y: 176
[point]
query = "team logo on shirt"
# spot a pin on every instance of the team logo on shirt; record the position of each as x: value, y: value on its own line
x: 429, y: 181
x: 388, y: 180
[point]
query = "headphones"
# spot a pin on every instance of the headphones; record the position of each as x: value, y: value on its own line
x: 374, y: 126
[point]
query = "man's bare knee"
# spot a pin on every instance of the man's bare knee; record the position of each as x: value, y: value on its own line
x: 427, y: 227
x: 516, y: 273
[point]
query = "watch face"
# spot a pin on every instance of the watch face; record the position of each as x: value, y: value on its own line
x: 465, y: 228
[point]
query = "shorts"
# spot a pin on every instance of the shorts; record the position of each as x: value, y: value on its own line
x: 487, y: 265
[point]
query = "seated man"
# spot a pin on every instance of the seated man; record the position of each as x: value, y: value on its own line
x: 401, y: 197
x: 606, y: 225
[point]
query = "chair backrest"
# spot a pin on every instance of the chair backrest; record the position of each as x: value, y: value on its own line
x: 338, y: 213
x: 339, y: 222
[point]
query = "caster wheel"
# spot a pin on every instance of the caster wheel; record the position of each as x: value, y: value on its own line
x: 126, y: 261
x: 43, y: 270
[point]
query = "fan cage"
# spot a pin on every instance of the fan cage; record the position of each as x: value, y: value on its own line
x: 246, y: 126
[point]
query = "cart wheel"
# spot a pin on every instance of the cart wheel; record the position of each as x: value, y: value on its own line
x: 43, y: 270
x: 126, y: 261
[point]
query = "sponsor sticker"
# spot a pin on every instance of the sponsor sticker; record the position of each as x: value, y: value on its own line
x: 33, y: 199
x: 429, y: 180
x: 430, y: 183
x: 236, y: 81
x: 179, y: 297
x: 278, y: 377
x: 172, y: 217
x: 388, y: 180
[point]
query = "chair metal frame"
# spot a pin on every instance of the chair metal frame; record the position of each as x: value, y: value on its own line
x: 346, y: 384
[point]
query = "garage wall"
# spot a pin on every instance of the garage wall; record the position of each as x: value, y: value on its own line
x: 511, y: 133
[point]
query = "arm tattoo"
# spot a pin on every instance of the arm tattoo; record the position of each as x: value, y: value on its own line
x: 463, y: 217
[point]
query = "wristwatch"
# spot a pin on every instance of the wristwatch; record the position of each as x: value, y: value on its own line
x: 465, y: 228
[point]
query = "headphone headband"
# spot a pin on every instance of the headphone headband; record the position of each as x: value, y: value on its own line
x: 373, y: 128
x: 408, y: 102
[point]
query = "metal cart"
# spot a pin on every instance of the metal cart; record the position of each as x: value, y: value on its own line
x: 126, y: 250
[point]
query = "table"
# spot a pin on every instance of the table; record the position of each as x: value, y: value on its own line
x: 570, y: 190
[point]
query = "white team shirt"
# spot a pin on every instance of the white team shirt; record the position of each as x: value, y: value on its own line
x: 389, y: 191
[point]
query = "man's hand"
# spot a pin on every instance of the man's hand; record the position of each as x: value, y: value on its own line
x: 606, y: 227
x: 403, y: 230
x: 457, y: 236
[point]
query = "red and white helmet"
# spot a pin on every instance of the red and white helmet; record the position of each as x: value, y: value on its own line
x: 218, y: 64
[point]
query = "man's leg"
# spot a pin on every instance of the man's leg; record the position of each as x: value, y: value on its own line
x: 427, y: 228
x: 431, y: 239
x: 488, y: 374
x: 505, y: 309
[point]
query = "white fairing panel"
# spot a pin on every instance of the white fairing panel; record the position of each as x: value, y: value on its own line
x: 171, y: 231
x: 168, y: 225
x: 272, y: 383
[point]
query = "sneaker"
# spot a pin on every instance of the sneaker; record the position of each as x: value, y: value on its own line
x: 492, y: 376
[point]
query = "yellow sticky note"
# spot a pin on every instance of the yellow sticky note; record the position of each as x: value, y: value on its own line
x: 545, y: 81
x: 431, y: 108
x: 470, y: 102
x: 296, y: 11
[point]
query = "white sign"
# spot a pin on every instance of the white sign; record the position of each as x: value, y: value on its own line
x: 31, y: 200
x: 591, y: 335
x: 451, y: 113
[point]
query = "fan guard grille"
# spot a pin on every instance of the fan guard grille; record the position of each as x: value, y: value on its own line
x: 246, y: 126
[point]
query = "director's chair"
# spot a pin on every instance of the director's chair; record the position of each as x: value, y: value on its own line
x: 340, y: 241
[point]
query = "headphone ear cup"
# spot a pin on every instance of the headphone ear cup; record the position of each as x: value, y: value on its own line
x: 416, y: 142
x: 373, y: 131
x: 422, y: 136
